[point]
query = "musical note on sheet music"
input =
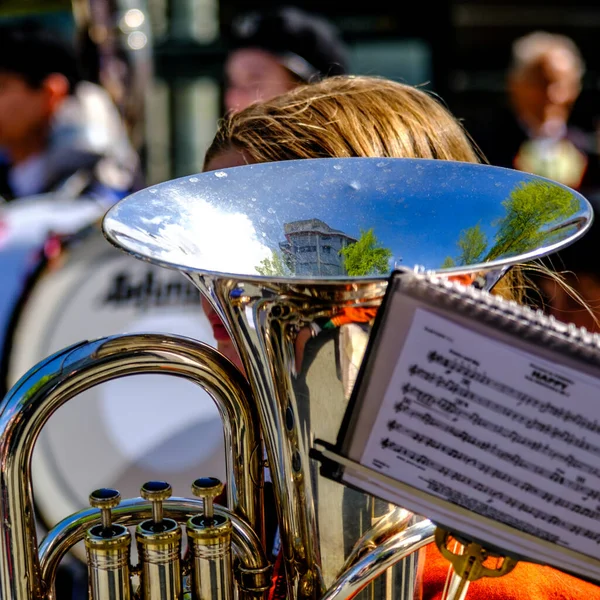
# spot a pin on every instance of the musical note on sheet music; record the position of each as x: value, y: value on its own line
x: 500, y: 432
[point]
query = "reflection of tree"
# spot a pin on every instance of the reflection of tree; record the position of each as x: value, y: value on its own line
x: 37, y: 387
x: 448, y: 263
x: 531, y: 210
x: 273, y: 266
x: 472, y: 243
x: 366, y: 256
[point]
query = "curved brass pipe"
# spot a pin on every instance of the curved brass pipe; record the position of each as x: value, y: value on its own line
x: 380, y: 558
x: 247, y: 547
x: 390, y: 524
x: 54, y: 381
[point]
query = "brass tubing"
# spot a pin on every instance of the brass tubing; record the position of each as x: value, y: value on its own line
x: 108, y: 552
x: 246, y: 546
x: 380, y: 558
x: 159, y: 551
x: 209, y: 538
x: 390, y: 524
x: 57, y: 379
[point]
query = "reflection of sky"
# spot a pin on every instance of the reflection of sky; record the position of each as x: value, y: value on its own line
x: 417, y: 208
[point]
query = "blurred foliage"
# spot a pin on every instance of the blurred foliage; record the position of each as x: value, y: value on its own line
x: 21, y: 8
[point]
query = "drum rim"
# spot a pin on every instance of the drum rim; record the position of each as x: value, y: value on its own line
x: 63, y: 491
x: 37, y: 271
x: 41, y: 262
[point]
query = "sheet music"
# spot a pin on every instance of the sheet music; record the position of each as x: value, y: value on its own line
x: 495, y: 430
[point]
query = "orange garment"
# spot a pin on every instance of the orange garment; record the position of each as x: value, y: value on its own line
x: 526, y: 582
x: 465, y: 279
x: 354, y: 315
x: 366, y: 315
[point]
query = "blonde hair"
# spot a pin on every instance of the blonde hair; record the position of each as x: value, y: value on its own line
x: 353, y: 117
x: 346, y: 117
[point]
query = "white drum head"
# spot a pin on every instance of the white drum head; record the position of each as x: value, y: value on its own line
x: 127, y: 431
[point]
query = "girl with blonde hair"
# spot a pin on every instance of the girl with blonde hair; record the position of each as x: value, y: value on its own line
x: 371, y: 117
x: 342, y: 117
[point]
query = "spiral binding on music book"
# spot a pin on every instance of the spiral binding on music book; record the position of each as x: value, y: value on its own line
x: 483, y: 415
x: 506, y: 314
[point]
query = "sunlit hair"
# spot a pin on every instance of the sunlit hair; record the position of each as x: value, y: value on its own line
x: 346, y: 117
x: 353, y: 117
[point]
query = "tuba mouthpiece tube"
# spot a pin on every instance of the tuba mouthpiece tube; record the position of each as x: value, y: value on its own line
x: 376, y: 560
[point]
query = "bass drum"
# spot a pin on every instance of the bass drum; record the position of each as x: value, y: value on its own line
x: 124, y: 432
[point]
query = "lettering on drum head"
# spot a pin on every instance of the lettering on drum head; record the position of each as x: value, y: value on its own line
x: 149, y: 290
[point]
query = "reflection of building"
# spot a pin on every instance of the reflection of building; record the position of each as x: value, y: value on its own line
x: 313, y: 248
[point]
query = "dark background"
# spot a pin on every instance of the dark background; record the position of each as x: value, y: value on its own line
x: 460, y: 49
x: 457, y: 48
x: 468, y: 41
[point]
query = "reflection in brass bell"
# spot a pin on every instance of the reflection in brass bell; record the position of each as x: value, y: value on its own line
x: 209, y: 539
x: 108, y: 546
x: 159, y: 548
x: 438, y: 215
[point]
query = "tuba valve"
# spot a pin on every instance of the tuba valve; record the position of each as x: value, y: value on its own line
x: 108, y: 547
x: 159, y: 548
x: 209, y: 537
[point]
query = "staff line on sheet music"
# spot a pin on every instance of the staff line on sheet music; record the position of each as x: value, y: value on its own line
x: 460, y: 499
x: 536, y: 513
x: 513, y: 415
x: 513, y: 459
x: 447, y: 408
x: 523, y: 398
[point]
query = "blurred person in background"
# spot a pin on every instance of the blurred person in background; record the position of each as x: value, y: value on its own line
x: 535, y: 134
x: 65, y: 157
x: 57, y: 132
x: 275, y: 51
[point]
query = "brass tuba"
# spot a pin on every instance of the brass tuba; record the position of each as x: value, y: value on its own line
x: 294, y: 257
